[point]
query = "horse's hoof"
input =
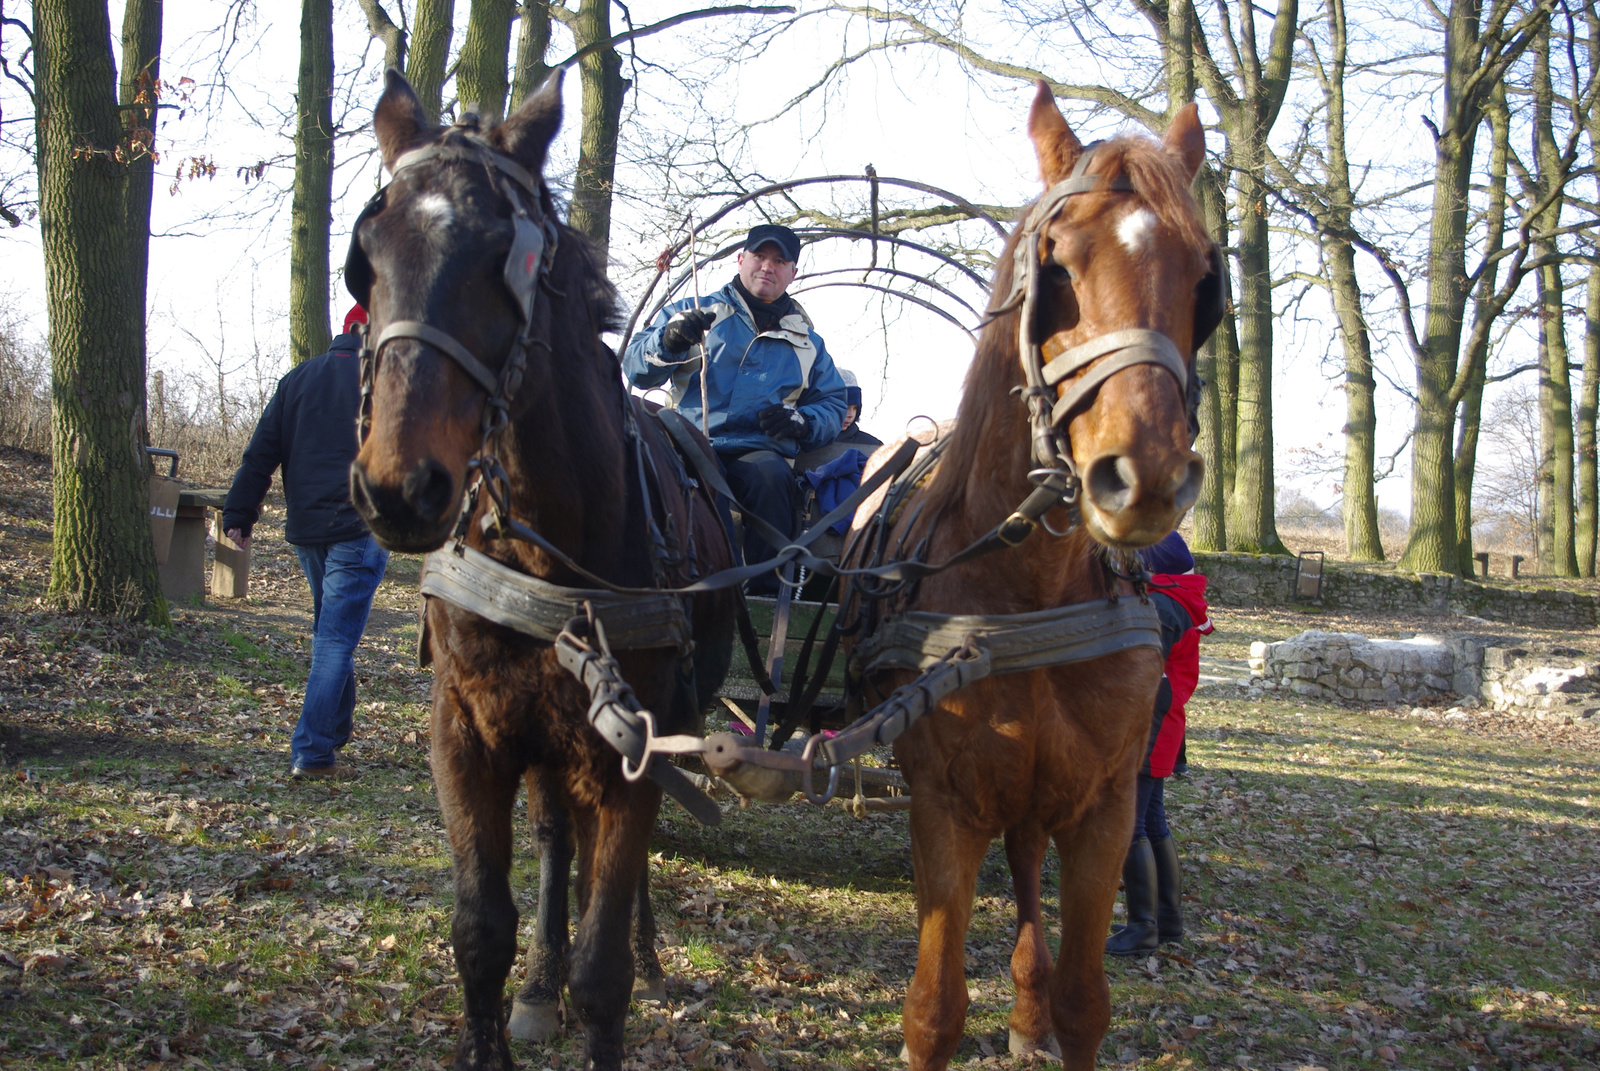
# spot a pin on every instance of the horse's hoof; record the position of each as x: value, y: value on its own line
x: 1022, y: 1046
x: 533, y: 1022
x: 650, y: 989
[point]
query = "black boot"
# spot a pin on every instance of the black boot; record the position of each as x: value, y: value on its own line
x: 1139, y: 889
x: 1169, y: 890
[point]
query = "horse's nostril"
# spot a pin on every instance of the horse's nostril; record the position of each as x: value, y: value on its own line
x: 1112, y: 483
x: 428, y: 489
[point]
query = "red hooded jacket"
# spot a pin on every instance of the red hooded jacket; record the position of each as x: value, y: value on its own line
x: 1183, y: 664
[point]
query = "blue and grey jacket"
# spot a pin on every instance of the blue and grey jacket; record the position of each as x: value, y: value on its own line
x: 746, y: 373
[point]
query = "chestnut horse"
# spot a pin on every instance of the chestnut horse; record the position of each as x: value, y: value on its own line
x: 1052, y: 754
x: 487, y: 363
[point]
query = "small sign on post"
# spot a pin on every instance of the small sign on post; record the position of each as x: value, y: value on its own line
x: 1308, y: 575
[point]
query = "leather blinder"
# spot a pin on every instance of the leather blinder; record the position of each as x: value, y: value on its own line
x: 358, y: 274
x: 523, y: 264
x: 1208, y: 300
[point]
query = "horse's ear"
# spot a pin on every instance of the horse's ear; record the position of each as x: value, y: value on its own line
x: 526, y: 135
x: 1186, y: 138
x: 400, y: 120
x: 1053, y: 140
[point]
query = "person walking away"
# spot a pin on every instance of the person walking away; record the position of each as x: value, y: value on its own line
x: 1151, y: 882
x: 772, y: 388
x: 308, y: 430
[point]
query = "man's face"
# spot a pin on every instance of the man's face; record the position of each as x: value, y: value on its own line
x: 764, y: 272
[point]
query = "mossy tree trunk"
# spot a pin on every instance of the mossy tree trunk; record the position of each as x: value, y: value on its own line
x: 433, y: 22
x: 102, y: 557
x: 1248, y: 102
x: 1558, y: 550
x: 1588, y: 487
x: 137, y: 88
x: 604, y: 90
x: 1475, y: 60
x: 481, y: 74
x: 533, y: 43
x: 1337, y: 228
x: 311, y: 210
x: 1484, y: 312
x: 381, y: 26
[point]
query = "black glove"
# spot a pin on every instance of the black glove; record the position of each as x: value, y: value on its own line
x: 781, y: 422
x: 686, y: 330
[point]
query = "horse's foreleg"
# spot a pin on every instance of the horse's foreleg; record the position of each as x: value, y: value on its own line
x: 611, y: 861
x: 476, y: 801
x: 945, y: 859
x: 1031, y: 1029
x: 649, y: 980
x: 534, y: 1013
x: 1091, y: 859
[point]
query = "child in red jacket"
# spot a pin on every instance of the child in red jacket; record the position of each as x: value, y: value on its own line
x: 1150, y: 874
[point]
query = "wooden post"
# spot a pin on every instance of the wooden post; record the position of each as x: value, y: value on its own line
x: 230, y: 568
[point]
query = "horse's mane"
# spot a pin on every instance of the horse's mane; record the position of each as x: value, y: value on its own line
x: 984, y: 438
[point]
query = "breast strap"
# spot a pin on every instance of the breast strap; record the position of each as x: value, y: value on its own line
x: 1015, y: 642
x: 476, y: 582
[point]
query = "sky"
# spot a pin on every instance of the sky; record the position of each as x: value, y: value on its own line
x: 219, y: 258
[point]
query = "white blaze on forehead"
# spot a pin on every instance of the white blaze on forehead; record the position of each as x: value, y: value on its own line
x: 435, y: 207
x: 1136, y: 229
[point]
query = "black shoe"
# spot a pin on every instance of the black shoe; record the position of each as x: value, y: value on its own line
x: 1169, y: 890
x: 1139, y: 889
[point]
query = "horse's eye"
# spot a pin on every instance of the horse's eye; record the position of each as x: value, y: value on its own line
x: 1059, y: 273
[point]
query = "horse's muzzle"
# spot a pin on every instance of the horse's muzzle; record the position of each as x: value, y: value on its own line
x: 413, y: 517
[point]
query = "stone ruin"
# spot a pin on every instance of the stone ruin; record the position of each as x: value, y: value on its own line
x: 1539, y: 679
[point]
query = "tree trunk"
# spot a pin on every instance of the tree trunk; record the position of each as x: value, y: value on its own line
x: 141, y: 73
x: 1223, y: 348
x: 1588, y: 405
x: 1360, y: 500
x: 533, y: 42
x: 1484, y: 311
x: 311, y: 212
x: 102, y: 558
x: 603, y: 91
x: 432, y: 26
x: 1252, y: 520
x: 1589, y: 393
x: 1433, y: 544
x: 481, y: 73
x: 381, y: 26
x: 1558, y: 553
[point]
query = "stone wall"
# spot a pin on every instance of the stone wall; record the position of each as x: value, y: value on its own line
x: 1348, y: 667
x: 1264, y: 580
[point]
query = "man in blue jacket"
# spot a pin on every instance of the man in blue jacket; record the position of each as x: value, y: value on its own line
x: 772, y: 388
x: 309, y: 429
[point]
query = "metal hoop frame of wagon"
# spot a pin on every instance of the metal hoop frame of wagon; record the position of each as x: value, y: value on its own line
x: 782, y: 620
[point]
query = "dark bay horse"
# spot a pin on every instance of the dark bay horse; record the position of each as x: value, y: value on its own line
x: 486, y: 364
x: 1114, y: 255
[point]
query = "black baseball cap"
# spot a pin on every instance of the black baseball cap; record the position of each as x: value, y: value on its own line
x: 782, y: 237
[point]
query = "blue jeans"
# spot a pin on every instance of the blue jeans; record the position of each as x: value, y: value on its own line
x: 343, y: 577
x: 1150, y: 813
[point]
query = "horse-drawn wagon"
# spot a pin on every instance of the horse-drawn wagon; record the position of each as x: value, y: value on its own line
x: 582, y: 593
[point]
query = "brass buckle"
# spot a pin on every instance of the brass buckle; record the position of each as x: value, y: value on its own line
x: 1007, y: 525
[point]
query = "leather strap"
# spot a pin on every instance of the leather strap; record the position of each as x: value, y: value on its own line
x: 1120, y: 349
x: 1015, y: 642
x: 491, y: 589
x: 439, y: 340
